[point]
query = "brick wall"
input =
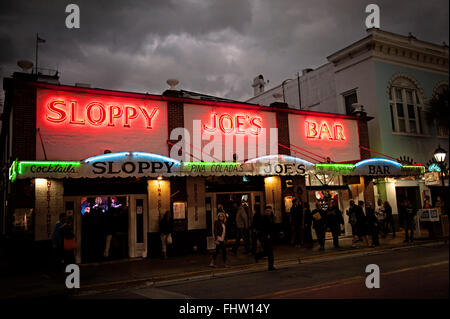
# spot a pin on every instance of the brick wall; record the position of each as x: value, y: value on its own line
x: 364, y: 137
x: 283, y: 133
x: 24, y: 121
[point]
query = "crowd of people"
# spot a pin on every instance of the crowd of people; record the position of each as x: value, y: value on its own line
x: 368, y: 223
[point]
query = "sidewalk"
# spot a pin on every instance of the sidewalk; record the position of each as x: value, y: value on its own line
x: 111, y: 275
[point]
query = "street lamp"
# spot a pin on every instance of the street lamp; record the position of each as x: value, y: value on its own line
x: 439, y: 156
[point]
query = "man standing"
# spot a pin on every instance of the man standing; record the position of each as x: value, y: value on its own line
x: 319, y: 225
x: 58, y: 242
x: 242, y: 228
x: 381, y: 217
x: 307, y: 226
x: 297, y: 218
x: 265, y: 234
x: 410, y: 213
x: 362, y: 226
x: 334, y: 220
x: 256, y: 227
x: 351, y: 213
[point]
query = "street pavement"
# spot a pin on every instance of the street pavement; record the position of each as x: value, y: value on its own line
x: 123, y: 275
x: 407, y: 272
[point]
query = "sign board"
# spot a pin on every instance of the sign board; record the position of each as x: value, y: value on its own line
x: 78, y: 125
x: 432, y: 178
x: 378, y: 167
x: 429, y: 215
x: 333, y: 137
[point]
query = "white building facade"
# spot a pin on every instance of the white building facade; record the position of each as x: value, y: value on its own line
x: 393, y: 77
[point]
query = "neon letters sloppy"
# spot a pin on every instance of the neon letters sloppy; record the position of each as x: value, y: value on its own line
x: 97, y: 113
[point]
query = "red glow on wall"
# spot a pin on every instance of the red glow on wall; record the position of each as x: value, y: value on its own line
x: 99, y: 113
x: 324, y: 130
x: 237, y: 124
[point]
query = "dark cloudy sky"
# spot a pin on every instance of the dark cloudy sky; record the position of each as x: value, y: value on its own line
x: 213, y: 47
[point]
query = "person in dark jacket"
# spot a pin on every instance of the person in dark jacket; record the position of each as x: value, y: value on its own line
x: 362, y: 226
x: 255, y: 226
x: 165, y: 229
x: 402, y: 213
x: 242, y: 228
x: 319, y: 224
x: 296, y: 222
x: 334, y: 220
x: 265, y: 236
x: 373, y: 224
x: 307, y: 226
x: 58, y: 242
x: 351, y: 213
x: 410, y: 213
x: 219, y: 239
x: 389, y: 220
x: 69, y: 241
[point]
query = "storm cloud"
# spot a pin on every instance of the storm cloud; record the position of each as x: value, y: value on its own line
x: 212, y: 47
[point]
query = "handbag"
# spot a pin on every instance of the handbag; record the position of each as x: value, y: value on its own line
x: 70, y: 244
x: 169, y: 239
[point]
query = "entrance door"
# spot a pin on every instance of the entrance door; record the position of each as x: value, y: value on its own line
x: 230, y: 203
x: 137, y: 234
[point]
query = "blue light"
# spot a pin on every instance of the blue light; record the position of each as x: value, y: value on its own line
x: 434, y: 168
x: 106, y: 156
x: 378, y: 160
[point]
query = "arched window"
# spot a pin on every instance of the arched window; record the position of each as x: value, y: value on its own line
x: 406, y: 104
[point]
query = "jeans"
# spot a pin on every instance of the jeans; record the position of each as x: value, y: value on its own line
x: 254, y: 242
x: 107, y: 245
x: 220, y: 247
x: 336, y: 231
x: 374, y: 232
x: 388, y: 225
x: 266, y: 243
x: 409, y: 226
x: 320, y: 233
x: 241, y: 233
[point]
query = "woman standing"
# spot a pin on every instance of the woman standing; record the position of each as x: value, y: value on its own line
x: 219, y: 238
x: 319, y: 225
x: 389, y: 221
x: 165, y: 227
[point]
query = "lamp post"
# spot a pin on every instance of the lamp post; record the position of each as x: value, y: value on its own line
x: 439, y: 155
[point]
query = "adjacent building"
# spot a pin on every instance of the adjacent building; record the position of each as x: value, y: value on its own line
x: 392, y: 78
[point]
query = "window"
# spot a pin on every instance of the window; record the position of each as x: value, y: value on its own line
x: 405, y: 107
x: 349, y: 99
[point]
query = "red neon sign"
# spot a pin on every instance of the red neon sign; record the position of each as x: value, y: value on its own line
x: 237, y: 124
x: 97, y: 113
x: 324, y: 131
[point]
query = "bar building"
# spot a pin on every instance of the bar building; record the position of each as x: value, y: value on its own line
x: 116, y: 162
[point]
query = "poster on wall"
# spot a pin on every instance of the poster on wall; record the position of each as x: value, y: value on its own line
x: 196, y: 203
x: 179, y: 210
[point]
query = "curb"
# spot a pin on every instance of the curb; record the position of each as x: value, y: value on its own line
x: 167, y: 280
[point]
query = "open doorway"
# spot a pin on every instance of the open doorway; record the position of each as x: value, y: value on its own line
x: 104, y: 228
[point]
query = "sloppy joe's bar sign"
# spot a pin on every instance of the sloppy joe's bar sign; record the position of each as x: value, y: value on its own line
x: 74, y: 125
